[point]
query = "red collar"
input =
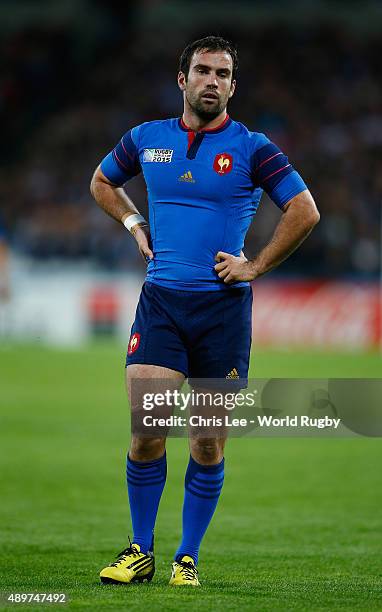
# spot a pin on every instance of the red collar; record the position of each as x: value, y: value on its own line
x: 222, y: 126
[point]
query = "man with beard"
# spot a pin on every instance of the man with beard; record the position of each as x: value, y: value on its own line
x: 205, y: 174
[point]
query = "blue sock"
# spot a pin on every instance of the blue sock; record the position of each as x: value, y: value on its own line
x: 145, y: 483
x: 203, y: 484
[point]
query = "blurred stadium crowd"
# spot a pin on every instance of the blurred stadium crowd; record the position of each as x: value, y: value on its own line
x: 314, y: 91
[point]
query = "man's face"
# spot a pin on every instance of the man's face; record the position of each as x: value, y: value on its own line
x: 209, y: 83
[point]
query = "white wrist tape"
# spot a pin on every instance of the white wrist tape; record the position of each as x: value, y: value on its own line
x: 132, y: 220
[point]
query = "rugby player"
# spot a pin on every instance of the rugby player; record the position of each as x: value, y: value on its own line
x: 205, y: 174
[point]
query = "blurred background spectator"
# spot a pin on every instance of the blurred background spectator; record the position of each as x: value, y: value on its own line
x: 4, y: 265
x: 74, y: 76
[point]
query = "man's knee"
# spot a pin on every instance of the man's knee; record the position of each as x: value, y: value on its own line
x: 207, y: 451
x: 146, y: 449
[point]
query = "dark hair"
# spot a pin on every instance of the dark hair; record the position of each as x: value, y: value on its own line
x: 209, y: 43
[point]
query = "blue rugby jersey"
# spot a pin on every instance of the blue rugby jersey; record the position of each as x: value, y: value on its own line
x: 203, y: 191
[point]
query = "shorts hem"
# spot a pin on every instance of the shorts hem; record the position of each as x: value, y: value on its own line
x: 221, y: 382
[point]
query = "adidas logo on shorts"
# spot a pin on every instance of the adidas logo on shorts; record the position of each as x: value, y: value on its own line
x: 233, y: 374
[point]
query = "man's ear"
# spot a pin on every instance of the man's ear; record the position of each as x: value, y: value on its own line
x: 233, y: 87
x: 182, y: 80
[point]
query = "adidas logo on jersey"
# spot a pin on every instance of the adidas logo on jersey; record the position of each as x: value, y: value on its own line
x: 233, y: 374
x: 186, y: 177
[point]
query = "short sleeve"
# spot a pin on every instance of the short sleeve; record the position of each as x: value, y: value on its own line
x: 122, y: 163
x: 272, y: 172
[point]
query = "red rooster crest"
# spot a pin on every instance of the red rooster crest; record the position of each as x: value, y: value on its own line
x: 223, y: 163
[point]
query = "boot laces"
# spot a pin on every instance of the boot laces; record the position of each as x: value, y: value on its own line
x: 130, y: 551
x: 188, y: 570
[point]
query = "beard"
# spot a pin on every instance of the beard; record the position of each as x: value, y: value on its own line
x: 207, y: 111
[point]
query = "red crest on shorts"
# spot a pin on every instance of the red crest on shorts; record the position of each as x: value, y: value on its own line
x: 134, y: 343
x: 223, y: 163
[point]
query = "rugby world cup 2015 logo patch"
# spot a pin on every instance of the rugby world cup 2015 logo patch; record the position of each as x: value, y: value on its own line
x: 223, y: 163
x: 134, y: 343
x: 163, y: 156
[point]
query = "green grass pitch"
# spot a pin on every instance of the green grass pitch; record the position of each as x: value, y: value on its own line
x: 298, y: 526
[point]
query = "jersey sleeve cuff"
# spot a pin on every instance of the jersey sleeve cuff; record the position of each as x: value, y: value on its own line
x: 112, y: 171
x: 288, y: 188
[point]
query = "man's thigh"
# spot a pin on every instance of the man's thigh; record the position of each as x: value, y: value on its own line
x: 154, y: 376
x: 150, y: 390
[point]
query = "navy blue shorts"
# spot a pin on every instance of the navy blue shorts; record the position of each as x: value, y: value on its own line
x: 203, y: 334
